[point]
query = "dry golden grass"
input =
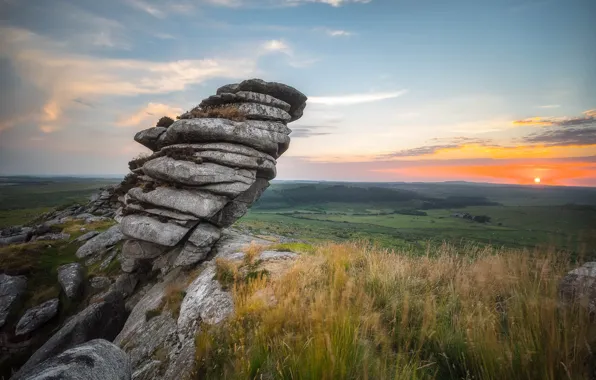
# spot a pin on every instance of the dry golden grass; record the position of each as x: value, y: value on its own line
x: 350, y: 311
x: 252, y: 251
x: 226, y: 112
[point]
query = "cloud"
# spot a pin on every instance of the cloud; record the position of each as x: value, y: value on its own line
x: 282, y: 47
x: 308, y: 131
x: 452, y: 143
x: 62, y: 76
x: 333, y: 3
x: 151, y: 113
x: 550, y: 106
x: 277, y: 46
x: 355, y: 98
x: 334, y: 32
x: 563, y: 137
x: 161, y: 9
x: 588, y: 118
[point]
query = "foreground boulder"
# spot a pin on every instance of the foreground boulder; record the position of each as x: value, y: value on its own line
x: 11, y: 289
x: 207, y: 169
x: 95, y: 360
x: 102, y: 320
x: 37, y: 316
x: 100, y: 243
x: 580, y: 285
x: 70, y: 277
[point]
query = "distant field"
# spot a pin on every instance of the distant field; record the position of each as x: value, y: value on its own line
x: 520, y: 216
x: 24, y: 198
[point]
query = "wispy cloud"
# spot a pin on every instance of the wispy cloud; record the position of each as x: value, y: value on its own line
x: 334, y: 32
x: 355, y: 98
x: 281, y: 46
x: 161, y: 9
x: 563, y: 137
x: 447, y: 144
x: 277, y: 46
x: 149, y: 114
x: 588, y: 118
x: 308, y: 131
x: 550, y: 106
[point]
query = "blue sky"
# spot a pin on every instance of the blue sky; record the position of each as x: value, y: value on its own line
x: 398, y: 90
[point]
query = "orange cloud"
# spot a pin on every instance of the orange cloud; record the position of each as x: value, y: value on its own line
x: 562, y: 173
x: 535, y: 121
x: 149, y: 114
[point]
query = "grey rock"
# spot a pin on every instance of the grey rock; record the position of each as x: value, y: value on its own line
x: 205, y: 302
x: 234, y: 156
x: 198, y: 245
x: 244, y: 96
x: 94, y: 360
x: 101, y: 320
x: 198, y: 203
x: 70, y: 277
x: 192, y: 174
x: 231, y: 243
x: 235, y: 209
x: 161, y: 212
x: 15, y: 239
x: 256, y: 111
x: 277, y: 255
x: 266, y: 136
x: 579, y: 285
x: 113, y: 252
x: 86, y: 236
x: 101, y: 242
x: 290, y: 95
x: 100, y: 282
x: 137, y: 249
x: 11, y: 289
x: 149, y: 137
x: 95, y: 219
x: 151, y: 230
x: 56, y: 236
x: 37, y: 316
x: 129, y: 265
x: 123, y: 287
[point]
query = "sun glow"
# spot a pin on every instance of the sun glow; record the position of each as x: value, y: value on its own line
x: 537, y: 180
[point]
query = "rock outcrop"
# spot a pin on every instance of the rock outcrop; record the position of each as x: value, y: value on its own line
x: 580, y: 285
x: 207, y: 169
x: 95, y: 360
x: 37, y: 316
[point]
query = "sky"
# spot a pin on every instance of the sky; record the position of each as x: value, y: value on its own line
x: 500, y: 91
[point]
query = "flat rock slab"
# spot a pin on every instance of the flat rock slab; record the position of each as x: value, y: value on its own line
x: 201, y: 204
x: 161, y: 212
x: 101, y: 242
x: 288, y: 94
x: 193, y: 174
x: 37, y: 316
x: 57, y: 236
x: 151, y: 230
x: 138, y: 249
x: 86, y: 236
x: 244, y: 96
x: 95, y: 360
x: 198, y: 245
x: 11, y: 289
x: 71, y: 277
x: 235, y: 209
x: 256, y: 111
x: 149, y: 137
x: 266, y: 136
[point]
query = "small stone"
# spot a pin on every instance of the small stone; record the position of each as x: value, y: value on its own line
x: 70, y: 277
x: 100, y: 243
x: 37, y: 316
x: 57, y: 236
x: 86, y: 236
x: 100, y: 282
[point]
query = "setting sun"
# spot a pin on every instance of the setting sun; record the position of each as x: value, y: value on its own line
x: 537, y: 180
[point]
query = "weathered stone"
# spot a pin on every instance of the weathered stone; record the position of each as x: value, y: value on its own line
x: 198, y: 245
x: 161, y: 212
x: 56, y: 236
x: 232, y: 242
x: 235, y: 209
x: 86, y: 236
x: 15, y: 239
x: 579, y: 285
x: 192, y: 174
x: 290, y: 95
x: 129, y: 265
x: 244, y: 96
x: 265, y: 136
x: 94, y: 360
x: 112, y: 253
x: 37, y: 316
x: 276, y: 255
x: 11, y: 289
x: 205, y: 302
x: 149, y: 137
x: 199, y: 203
x: 101, y: 242
x: 151, y: 230
x: 123, y: 287
x: 138, y: 249
x: 256, y: 111
x: 101, y: 320
x: 70, y: 277
x: 100, y: 282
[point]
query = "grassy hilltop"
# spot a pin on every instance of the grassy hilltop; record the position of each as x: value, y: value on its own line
x: 352, y: 311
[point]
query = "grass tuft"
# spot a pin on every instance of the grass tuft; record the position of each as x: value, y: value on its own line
x: 225, y: 112
x: 352, y: 311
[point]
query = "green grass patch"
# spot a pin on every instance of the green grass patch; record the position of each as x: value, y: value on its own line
x: 296, y: 247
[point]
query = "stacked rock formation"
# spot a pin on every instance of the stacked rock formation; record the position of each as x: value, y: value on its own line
x: 207, y: 169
